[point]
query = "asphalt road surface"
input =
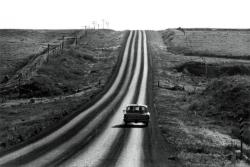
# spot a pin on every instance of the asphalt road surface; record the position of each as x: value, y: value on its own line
x: 97, y: 136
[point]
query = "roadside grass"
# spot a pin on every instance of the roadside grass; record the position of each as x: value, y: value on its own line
x: 21, y: 122
x: 76, y: 67
x: 18, y: 46
x: 87, y: 65
x: 226, y: 99
x: 67, y: 71
x: 191, y: 119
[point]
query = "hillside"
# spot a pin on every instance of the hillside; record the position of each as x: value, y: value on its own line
x: 199, y: 97
x: 17, y: 46
x: 208, y: 42
x: 60, y: 86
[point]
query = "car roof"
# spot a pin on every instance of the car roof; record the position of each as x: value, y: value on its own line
x: 143, y: 105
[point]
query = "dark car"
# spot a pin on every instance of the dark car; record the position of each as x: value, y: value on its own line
x: 136, y: 113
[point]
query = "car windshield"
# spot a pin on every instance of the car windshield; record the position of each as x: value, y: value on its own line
x: 136, y: 109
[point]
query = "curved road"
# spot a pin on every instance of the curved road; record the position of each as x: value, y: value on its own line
x: 97, y: 137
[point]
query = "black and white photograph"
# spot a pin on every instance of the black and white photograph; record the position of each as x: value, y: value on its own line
x: 124, y: 83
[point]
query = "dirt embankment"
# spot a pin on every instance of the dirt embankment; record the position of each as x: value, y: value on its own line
x: 212, y: 70
x: 60, y: 86
x: 200, y: 120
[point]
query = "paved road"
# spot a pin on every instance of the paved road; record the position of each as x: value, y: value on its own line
x: 97, y: 136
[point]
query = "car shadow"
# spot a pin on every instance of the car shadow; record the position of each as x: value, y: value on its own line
x: 130, y: 126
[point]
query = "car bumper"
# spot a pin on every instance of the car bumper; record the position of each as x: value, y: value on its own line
x: 136, y: 119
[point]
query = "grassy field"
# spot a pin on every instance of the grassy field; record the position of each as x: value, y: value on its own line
x: 21, y: 122
x: 16, y: 46
x: 213, y: 43
x: 195, y: 97
x: 68, y: 71
x: 63, y: 84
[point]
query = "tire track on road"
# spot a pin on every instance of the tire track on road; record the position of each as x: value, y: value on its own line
x: 132, y: 153
x: 76, y: 153
x: 94, y: 155
x: 28, y: 152
x: 121, y: 140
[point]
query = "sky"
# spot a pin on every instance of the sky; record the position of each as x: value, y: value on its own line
x: 124, y: 14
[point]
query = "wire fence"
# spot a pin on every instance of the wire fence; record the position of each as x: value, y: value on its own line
x: 59, y: 47
x: 12, y: 84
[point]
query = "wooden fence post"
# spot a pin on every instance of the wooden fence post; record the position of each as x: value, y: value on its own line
x: 48, y: 49
x: 241, y: 120
x: 63, y: 43
x: 99, y: 83
x: 19, y: 84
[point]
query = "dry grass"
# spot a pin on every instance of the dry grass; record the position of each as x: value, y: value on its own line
x: 200, y: 140
x: 63, y: 74
x: 16, y: 46
x: 210, y: 43
x: 20, y: 122
x: 75, y: 67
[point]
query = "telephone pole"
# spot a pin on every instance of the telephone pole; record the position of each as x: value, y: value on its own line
x: 107, y: 24
x: 103, y: 21
x: 94, y: 24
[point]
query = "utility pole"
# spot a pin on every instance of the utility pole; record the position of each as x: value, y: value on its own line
x: 103, y: 23
x: 94, y: 24
x: 62, y: 42
x: 107, y: 25
x: 85, y: 30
